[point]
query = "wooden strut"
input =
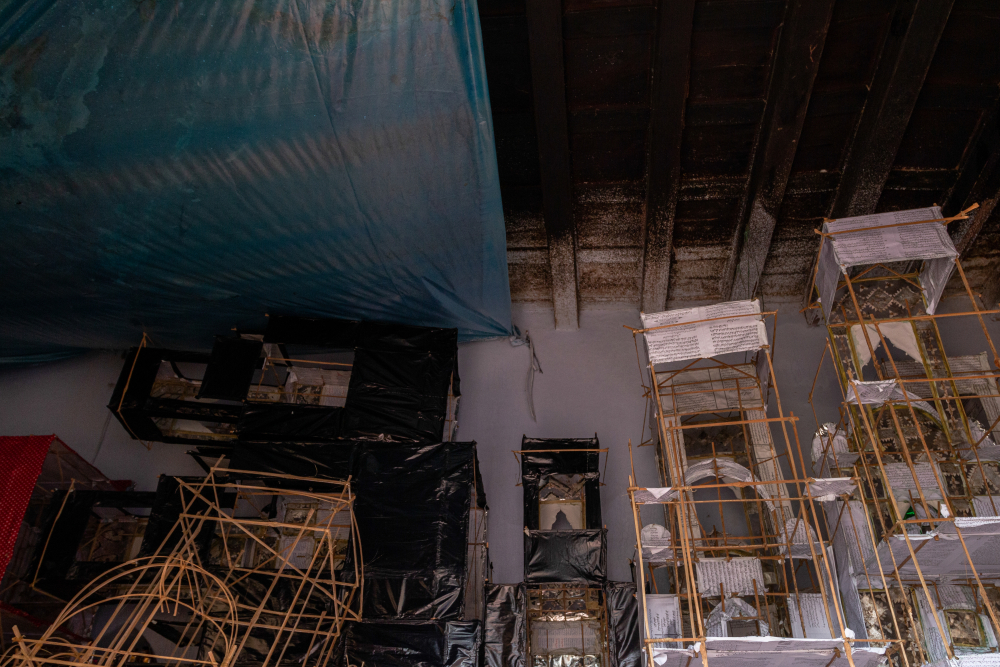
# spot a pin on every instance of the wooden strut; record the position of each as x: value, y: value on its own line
x: 961, y: 215
x: 175, y: 582
x: 759, y: 315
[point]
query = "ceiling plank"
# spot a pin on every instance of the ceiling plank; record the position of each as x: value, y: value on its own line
x: 909, y: 48
x: 548, y: 79
x: 794, y: 72
x: 990, y: 292
x: 907, y: 51
x: 668, y: 99
x: 978, y: 183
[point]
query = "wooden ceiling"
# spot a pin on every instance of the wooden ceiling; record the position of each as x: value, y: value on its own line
x: 656, y: 152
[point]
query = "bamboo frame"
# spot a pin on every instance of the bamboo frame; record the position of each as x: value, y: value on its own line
x: 936, y: 454
x: 222, y: 593
x: 709, y: 393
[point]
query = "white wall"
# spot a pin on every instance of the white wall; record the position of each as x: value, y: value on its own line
x: 68, y: 398
x: 590, y: 383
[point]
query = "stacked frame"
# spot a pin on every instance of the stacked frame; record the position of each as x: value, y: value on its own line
x: 918, y: 428
x: 260, y: 569
x: 763, y: 588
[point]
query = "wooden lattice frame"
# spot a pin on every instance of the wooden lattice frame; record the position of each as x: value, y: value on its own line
x: 217, y: 554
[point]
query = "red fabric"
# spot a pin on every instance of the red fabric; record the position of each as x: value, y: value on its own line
x: 21, y: 459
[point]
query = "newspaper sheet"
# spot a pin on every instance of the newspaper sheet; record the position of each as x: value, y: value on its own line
x: 733, y: 576
x: 882, y: 391
x: 857, y: 534
x: 772, y: 645
x: 664, y: 615
x: 704, y: 339
x: 655, y: 495
x: 827, y: 489
x: 953, y: 597
x: 707, y: 389
x: 986, y: 505
x: 900, y: 480
x: 979, y: 660
x: 558, y: 635
x: 672, y: 657
x: 656, y: 544
x: 865, y: 245
x: 928, y: 242
x: 813, y: 613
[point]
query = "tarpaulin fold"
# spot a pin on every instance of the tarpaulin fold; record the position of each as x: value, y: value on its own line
x: 409, y: 644
x: 184, y: 169
x: 505, y: 630
x: 570, y: 556
x: 624, y: 642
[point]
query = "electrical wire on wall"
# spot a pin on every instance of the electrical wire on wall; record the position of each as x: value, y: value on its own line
x: 517, y: 340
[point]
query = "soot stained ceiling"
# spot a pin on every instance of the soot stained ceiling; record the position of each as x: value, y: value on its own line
x: 657, y: 153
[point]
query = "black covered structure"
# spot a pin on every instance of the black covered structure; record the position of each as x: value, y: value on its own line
x: 335, y: 399
x: 566, y: 612
x: 87, y: 532
x: 400, y: 384
x: 414, y: 508
x: 558, y: 473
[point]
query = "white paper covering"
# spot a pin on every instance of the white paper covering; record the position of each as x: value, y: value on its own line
x: 736, y: 575
x: 741, y: 333
x: 882, y: 391
x: 929, y: 242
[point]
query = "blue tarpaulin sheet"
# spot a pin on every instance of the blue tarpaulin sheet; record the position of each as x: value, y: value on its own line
x: 182, y: 168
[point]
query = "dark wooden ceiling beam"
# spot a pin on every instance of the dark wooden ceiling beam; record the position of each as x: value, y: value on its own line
x: 669, y: 93
x: 911, y: 41
x: 548, y: 82
x: 796, y: 64
x: 990, y: 291
x: 978, y: 183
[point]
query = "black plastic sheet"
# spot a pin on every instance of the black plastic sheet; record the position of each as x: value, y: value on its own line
x: 505, y: 629
x: 55, y: 566
x: 331, y: 333
x: 230, y: 370
x: 570, y: 556
x: 538, y: 460
x: 544, y: 461
x: 290, y: 421
x: 300, y: 459
x: 400, y: 381
x: 166, y: 510
x: 592, y: 490
x: 412, y: 511
x: 409, y: 644
x: 624, y: 643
